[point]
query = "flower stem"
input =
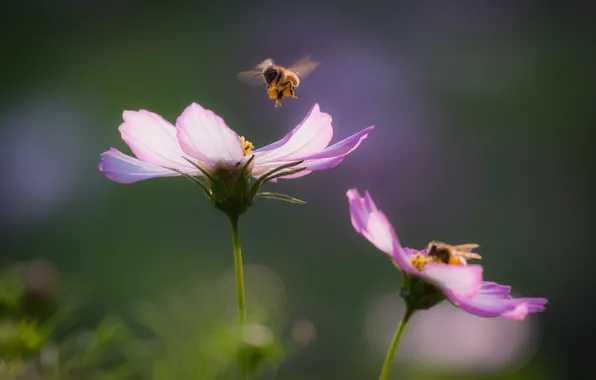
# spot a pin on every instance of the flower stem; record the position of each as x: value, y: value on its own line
x: 239, y: 281
x: 395, y: 343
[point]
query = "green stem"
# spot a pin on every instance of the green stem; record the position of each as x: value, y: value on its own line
x: 239, y: 281
x: 395, y: 343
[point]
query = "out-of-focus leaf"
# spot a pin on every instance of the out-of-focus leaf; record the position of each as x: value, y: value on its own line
x: 19, y: 338
x: 107, y: 329
x: 11, y: 289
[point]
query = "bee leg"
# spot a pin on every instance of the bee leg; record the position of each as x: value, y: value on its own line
x: 289, y: 92
x: 292, y: 89
x: 280, y: 96
x: 273, y: 93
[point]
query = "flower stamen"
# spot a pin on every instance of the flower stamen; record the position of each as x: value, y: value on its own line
x: 419, y: 260
x: 247, y: 146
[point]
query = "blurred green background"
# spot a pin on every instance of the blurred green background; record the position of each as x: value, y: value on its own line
x: 484, y: 116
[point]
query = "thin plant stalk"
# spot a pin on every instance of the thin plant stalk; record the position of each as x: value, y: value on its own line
x: 234, y: 221
x: 395, y: 344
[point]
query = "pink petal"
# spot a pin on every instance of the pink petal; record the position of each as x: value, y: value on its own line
x: 459, y: 282
x: 374, y: 226
x: 518, y: 312
x: 525, y: 306
x: 342, y: 147
x: 535, y: 305
x: 323, y: 160
x: 152, y: 139
x: 121, y: 168
x: 493, y: 300
x: 488, y: 302
x: 206, y: 137
x: 360, y: 208
x: 379, y: 232
x: 310, y: 136
x: 411, y: 251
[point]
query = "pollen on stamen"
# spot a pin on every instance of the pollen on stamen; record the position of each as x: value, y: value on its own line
x: 247, y: 146
x: 419, y: 261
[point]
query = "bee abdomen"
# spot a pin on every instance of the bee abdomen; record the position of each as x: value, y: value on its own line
x: 294, y: 79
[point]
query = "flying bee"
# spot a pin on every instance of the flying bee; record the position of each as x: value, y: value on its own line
x: 451, y: 254
x: 279, y: 81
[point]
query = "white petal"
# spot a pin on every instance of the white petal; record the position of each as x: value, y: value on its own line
x: 152, y: 139
x: 309, y: 137
x: 122, y: 168
x: 458, y: 282
x: 206, y: 137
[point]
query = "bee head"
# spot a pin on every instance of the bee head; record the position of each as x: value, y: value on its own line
x: 270, y: 74
x: 431, y: 248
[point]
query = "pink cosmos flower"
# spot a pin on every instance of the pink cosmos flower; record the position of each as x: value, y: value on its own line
x: 202, y: 138
x: 461, y: 284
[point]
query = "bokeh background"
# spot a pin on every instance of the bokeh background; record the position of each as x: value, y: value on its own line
x: 484, y: 115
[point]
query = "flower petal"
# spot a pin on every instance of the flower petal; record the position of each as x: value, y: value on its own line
x: 374, y: 226
x: 121, y: 168
x: 518, y: 313
x: 360, y: 208
x: 317, y: 161
x: 206, y: 137
x: 310, y: 136
x: 524, y: 306
x: 411, y: 251
x: 493, y: 300
x: 342, y: 147
x: 152, y: 139
x: 459, y: 282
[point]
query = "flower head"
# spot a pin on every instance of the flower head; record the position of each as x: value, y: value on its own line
x: 430, y: 278
x: 202, y: 145
x: 202, y: 137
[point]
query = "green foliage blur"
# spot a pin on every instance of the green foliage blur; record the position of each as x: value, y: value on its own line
x: 183, y: 335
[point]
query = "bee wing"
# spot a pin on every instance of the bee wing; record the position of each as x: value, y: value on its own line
x: 468, y: 255
x: 251, y: 77
x: 304, y: 66
x: 465, y: 250
x: 265, y: 63
x: 466, y: 247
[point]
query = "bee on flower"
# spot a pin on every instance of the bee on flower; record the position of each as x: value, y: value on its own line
x: 434, y: 274
x: 440, y: 266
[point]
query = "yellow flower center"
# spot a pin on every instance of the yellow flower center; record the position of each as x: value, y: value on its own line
x: 247, y: 146
x: 419, y: 260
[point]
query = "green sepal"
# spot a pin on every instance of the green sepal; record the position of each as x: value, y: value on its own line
x: 280, y: 197
x: 241, y: 185
x: 230, y: 190
x: 196, y: 165
x: 245, y: 167
x: 197, y: 181
x: 283, y: 174
x: 419, y: 294
x: 267, y: 176
x: 273, y: 174
x: 220, y: 191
